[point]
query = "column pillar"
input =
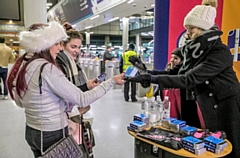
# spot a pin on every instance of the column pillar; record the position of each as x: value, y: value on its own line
x: 107, y: 40
x: 125, y: 33
x: 34, y: 12
x: 88, y: 42
x: 161, y: 18
x: 138, y: 42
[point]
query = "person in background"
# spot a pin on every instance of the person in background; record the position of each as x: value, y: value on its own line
x: 6, y: 57
x: 68, y: 60
x: 176, y: 59
x: 207, y: 75
x: 107, y: 56
x: 174, y: 94
x: 123, y: 65
x: 42, y: 43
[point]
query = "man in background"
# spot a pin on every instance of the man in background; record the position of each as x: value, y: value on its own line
x: 124, y: 64
x: 107, y: 56
x: 6, y: 57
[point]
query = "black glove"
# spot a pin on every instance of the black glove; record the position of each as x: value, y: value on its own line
x: 144, y: 80
x: 137, y: 63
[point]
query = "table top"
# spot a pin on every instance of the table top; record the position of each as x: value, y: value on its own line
x: 183, y: 152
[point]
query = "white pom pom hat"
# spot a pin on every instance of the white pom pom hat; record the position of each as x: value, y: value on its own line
x: 42, y: 38
x: 201, y: 16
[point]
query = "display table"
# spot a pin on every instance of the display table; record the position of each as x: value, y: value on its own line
x: 145, y: 148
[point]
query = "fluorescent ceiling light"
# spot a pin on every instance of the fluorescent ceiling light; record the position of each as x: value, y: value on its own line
x: 94, y: 17
x: 152, y: 5
x: 149, y: 12
x: 130, y: 1
x: 47, y: 7
x: 113, y: 19
x: 88, y: 27
x: 49, y: 4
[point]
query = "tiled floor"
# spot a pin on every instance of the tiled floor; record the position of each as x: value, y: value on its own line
x: 111, y: 117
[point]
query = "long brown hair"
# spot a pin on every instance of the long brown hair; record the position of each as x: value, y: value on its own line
x: 18, y: 70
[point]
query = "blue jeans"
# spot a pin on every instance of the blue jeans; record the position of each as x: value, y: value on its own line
x: 3, y: 75
x: 33, y: 138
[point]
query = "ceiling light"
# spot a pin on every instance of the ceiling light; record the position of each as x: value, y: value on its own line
x: 49, y: 4
x: 149, y: 12
x: 47, y: 7
x: 130, y: 1
x: 88, y: 27
x: 94, y: 17
x: 113, y: 19
x: 153, y: 5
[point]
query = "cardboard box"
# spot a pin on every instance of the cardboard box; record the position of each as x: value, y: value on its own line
x: 188, y: 130
x: 194, y: 151
x: 176, y: 125
x: 138, y: 125
x: 193, y: 142
x: 141, y: 117
x: 213, y: 150
x: 215, y: 142
x: 131, y: 129
x: 166, y: 122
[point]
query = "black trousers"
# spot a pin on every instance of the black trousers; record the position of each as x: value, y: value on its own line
x: 133, y: 90
x: 3, y: 76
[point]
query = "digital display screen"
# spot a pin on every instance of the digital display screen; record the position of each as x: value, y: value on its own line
x: 10, y: 10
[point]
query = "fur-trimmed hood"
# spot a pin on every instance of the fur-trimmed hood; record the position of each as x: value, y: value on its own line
x: 42, y: 38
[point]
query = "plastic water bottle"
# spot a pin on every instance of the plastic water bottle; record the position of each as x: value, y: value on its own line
x: 144, y: 106
x: 166, y: 107
x: 153, y: 113
x: 160, y: 109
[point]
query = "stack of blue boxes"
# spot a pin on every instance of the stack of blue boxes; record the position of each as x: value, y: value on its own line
x: 193, y: 145
x: 215, y: 145
x: 139, y: 123
x: 198, y: 146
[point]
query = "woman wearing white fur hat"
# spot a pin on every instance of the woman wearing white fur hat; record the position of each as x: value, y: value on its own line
x: 45, y: 111
x: 207, y: 75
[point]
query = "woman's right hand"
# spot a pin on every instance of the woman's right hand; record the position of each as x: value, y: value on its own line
x: 119, y: 79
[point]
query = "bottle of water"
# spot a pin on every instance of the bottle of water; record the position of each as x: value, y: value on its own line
x: 144, y: 106
x: 160, y: 109
x: 153, y: 113
x: 166, y: 107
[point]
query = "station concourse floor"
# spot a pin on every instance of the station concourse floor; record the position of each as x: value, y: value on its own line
x: 111, y: 116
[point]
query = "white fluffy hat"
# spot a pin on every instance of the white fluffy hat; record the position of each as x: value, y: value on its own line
x: 42, y: 38
x: 201, y: 16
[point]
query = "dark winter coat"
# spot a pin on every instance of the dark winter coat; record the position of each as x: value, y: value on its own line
x: 214, y: 85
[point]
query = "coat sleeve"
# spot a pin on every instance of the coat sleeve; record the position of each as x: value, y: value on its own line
x: 59, y: 85
x: 214, y: 63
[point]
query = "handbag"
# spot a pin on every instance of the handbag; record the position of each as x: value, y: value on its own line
x: 66, y: 147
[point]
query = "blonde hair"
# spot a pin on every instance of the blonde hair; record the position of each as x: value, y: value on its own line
x: 212, y: 3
